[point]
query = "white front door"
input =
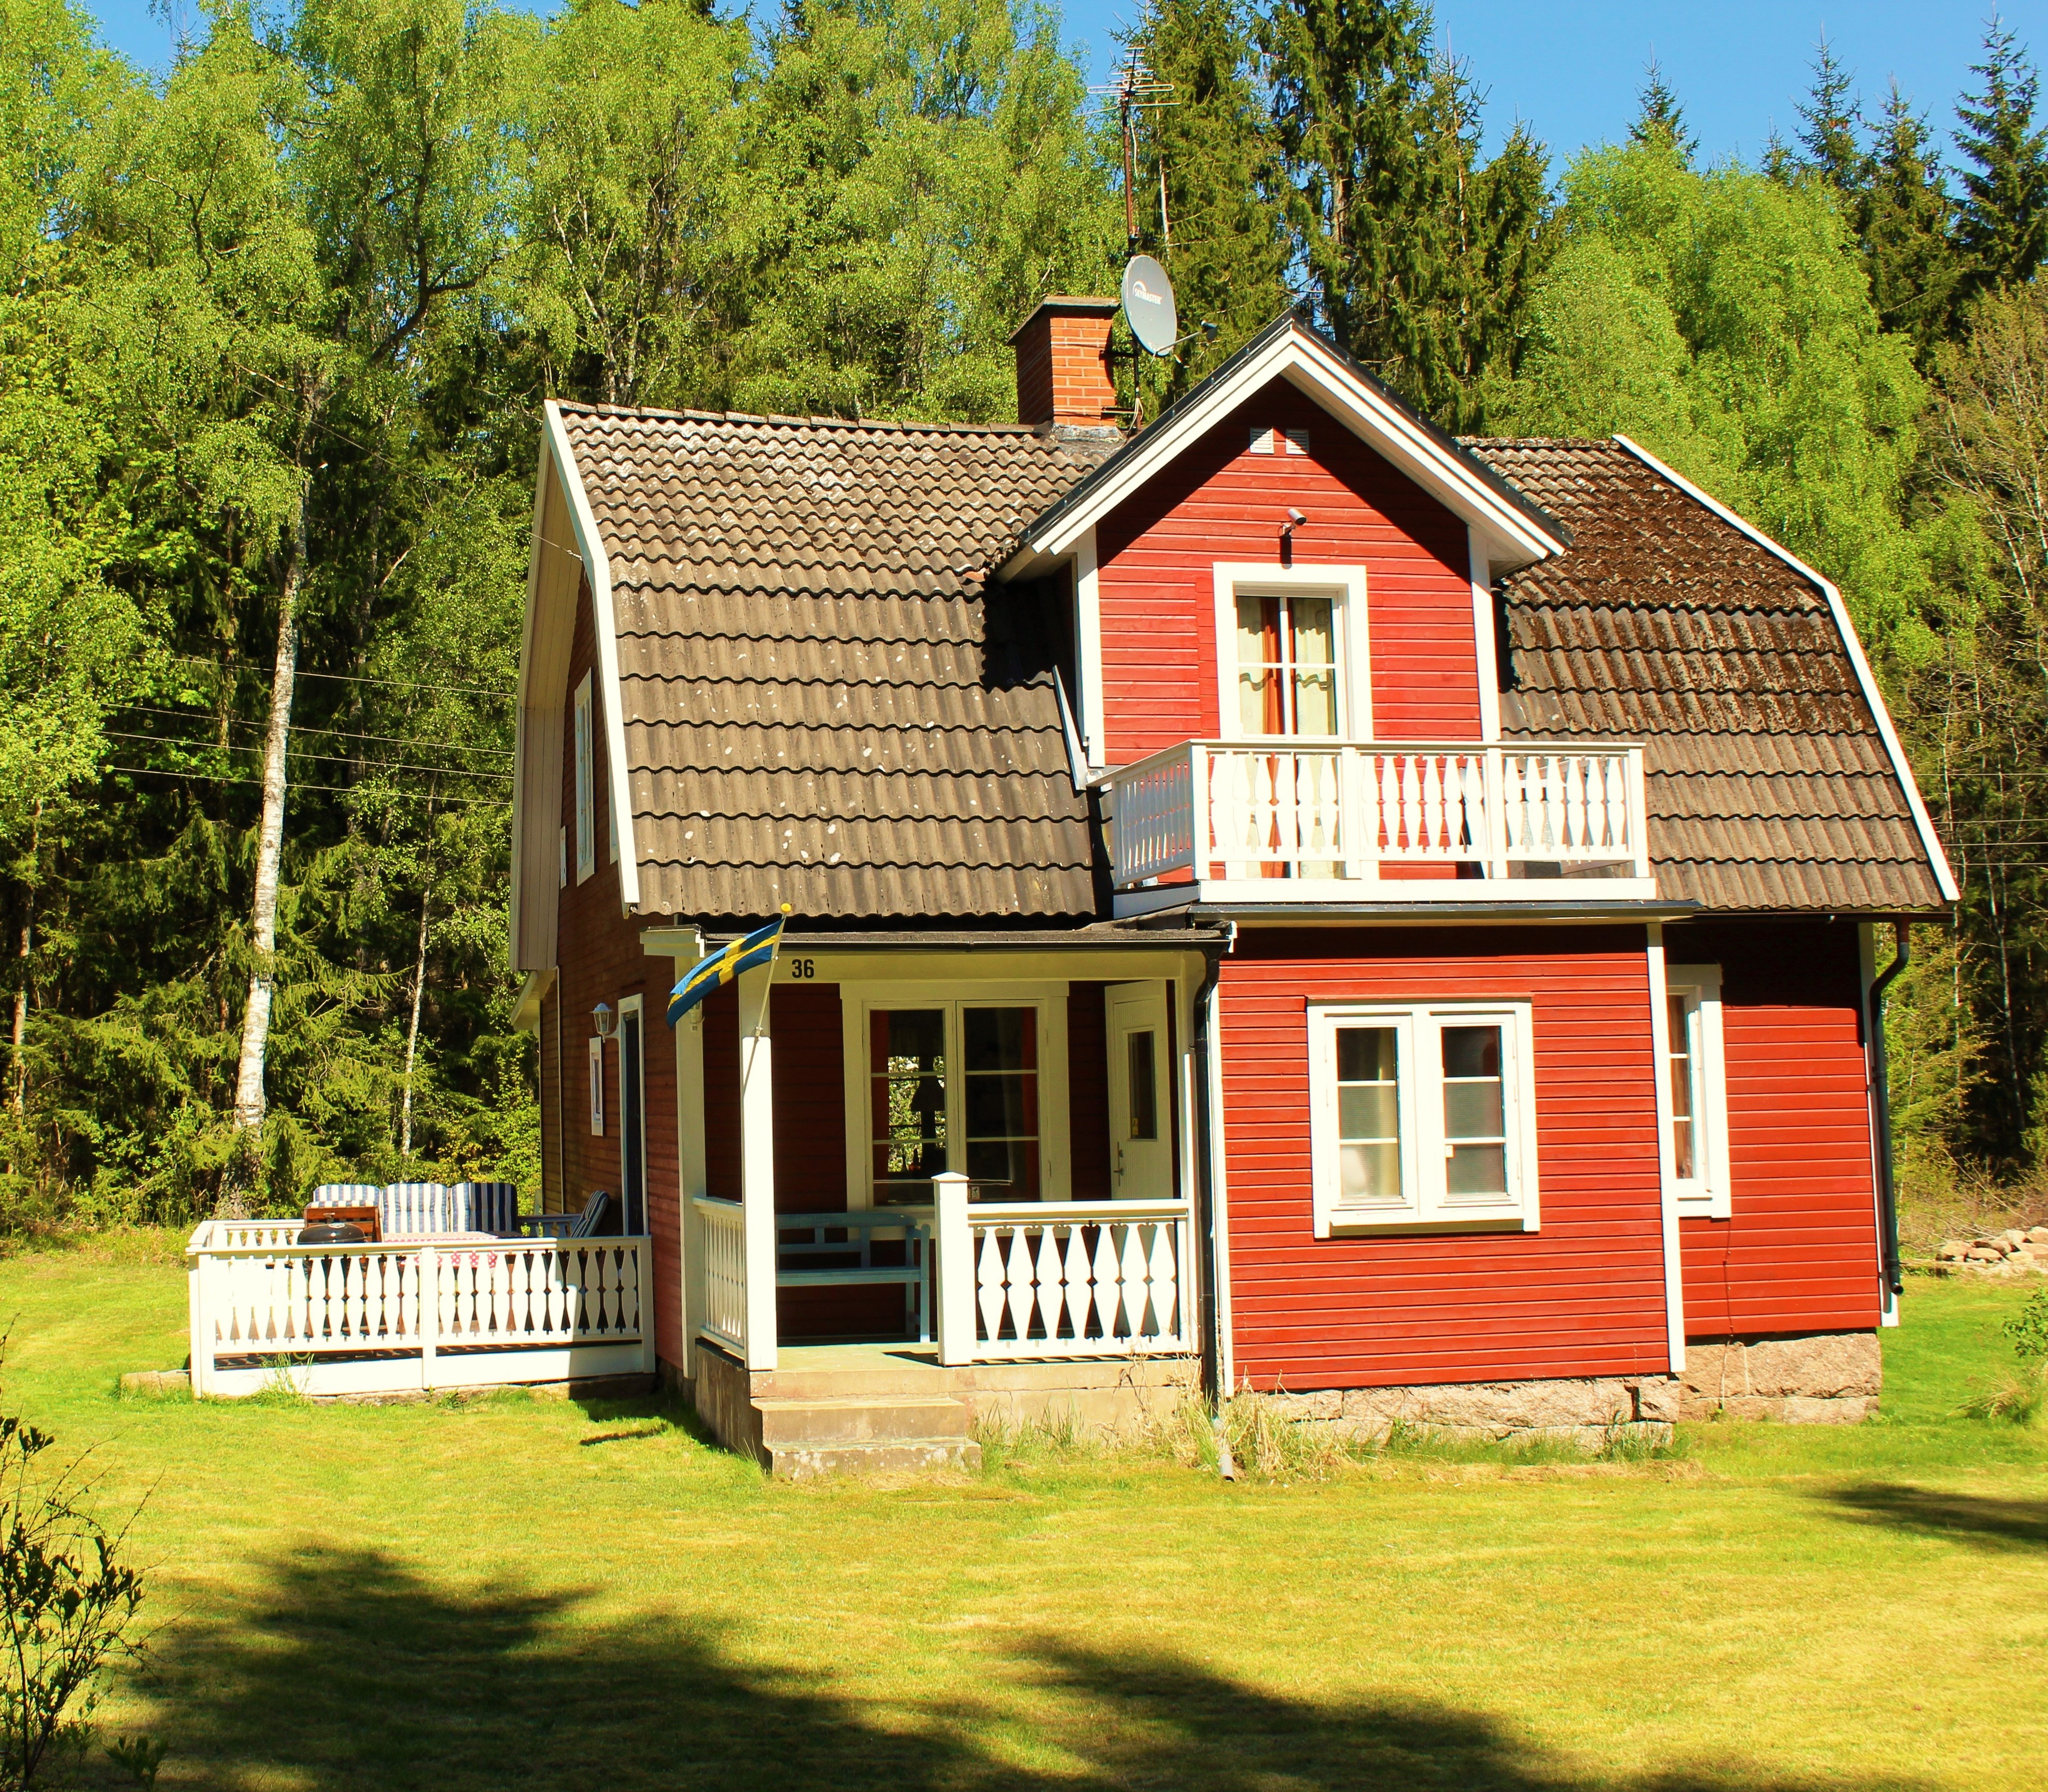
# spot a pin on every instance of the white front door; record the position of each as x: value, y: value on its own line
x: 1140, y: 1114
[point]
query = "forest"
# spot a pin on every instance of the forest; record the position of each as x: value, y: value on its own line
x: 275, y: 326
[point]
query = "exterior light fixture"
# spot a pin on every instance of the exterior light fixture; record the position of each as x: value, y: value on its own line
x: 602, y: 1018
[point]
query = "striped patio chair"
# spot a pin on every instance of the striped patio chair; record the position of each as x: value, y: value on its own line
x: 413, y: 1207
x: 347, y: 1194
x: 484, y: 1207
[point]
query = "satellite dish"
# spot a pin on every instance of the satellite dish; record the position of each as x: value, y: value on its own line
x: 1148, y: 305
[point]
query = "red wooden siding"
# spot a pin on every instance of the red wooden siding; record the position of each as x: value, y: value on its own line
x: 1584, y: 1296
x: 1156, y: 553
x: 1800, y: 1253
x: 601, y: 959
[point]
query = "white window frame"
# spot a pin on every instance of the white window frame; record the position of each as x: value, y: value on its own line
x: 859, y: 1000
x: 596, y: 1052
x: 1709, y: 1194
x: 1345, y: 586
x: 1425, y: 1206
x: 637, y: 1006
x: 585, y: 831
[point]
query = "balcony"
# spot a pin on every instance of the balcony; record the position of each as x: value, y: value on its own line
x: 1286, y: 822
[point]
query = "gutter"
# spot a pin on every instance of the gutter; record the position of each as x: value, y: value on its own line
x: 1888, y: 1182
x: 1205, y: 1203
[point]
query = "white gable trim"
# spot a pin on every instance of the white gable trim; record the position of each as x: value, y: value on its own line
x: 1512, y: 538
x: 597, y: 565
x: 1929, y: 840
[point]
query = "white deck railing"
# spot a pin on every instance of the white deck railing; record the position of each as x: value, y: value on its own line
x: 1023, y: 1280
x: 1352, y: 809
x: 377, y: 1318
x: 722, y: 1255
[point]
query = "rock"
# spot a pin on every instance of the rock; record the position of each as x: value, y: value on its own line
x: 2038, y: 1235
x: 1982, y: 1254
x: 1952, y: 1250
x: 2013, y: 1237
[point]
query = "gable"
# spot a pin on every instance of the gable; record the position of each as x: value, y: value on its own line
x: 1225, y: 501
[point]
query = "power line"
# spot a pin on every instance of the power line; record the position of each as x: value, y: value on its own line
x: 326, y: 759
x: 315, y: 728
x: 333, y: 790
x: 350, y: 678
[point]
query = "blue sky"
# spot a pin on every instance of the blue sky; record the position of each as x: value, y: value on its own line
x: 1571, y: 68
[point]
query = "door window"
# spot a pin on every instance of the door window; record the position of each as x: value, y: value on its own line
x: 907, y: 1085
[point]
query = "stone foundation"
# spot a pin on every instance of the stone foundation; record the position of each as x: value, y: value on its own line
x: 1825, y: 1377
x: 1582, y: 1410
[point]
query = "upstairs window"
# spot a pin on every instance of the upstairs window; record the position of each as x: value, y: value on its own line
x: 585, y: 831
x: 1695, y: 1091
x: 1287, y: 663
x: 1422, y: 1117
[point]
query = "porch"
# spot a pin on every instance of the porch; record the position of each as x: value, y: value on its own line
x: 1329, y: 821
x: 929, y: 1189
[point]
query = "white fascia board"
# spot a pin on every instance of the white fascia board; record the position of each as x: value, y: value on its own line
x: 597, y: 564
x: 526, y: 1010
x: 1938, y: 859
x: 1512, y: 537
x: 519, y: 704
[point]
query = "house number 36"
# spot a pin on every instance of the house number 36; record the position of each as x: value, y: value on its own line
x: 800, y: 967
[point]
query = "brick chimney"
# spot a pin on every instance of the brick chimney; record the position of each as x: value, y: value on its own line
x: 1063, y: 374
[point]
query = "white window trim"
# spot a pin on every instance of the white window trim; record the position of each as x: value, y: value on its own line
x: 586, y: 831
x: 1346, y: 585
x: 596, y: 1052
x: 634, y: 1004
x: 859, y: 1000
x: 1426, y: 1210
x: 1709, y: 1194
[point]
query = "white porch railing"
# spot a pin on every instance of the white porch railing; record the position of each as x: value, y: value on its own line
x: 1024, y: 1280
x: 1350, y: 809
x: 379, y: 1318
x: 722, y: 1260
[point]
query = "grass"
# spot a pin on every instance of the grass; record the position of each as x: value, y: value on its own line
x: 541, y: 1593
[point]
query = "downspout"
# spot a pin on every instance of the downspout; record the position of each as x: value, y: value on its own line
x: 1888, y: 1185
x: 1205, y: 1215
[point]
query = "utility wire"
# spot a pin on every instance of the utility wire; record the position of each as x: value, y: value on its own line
x: 314, y: 728
x: 327, y: 758
x: 350, y: 678
x: 334, y: 790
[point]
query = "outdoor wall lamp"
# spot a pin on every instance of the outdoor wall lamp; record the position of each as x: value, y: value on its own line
x: 602, y: 1018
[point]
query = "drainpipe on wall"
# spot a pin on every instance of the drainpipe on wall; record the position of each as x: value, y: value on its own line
x: 1205, y: 1217
x: 1887, y: 1185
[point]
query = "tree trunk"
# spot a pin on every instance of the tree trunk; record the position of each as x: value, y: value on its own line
x: 270, y: 834
x: 419, y: 985
x: 18, y: 1064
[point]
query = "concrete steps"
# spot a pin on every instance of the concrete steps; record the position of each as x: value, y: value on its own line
x: 863, y: 1433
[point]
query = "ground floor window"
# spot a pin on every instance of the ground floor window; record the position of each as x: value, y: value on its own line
x: 1695, y: 1090
x: 956, y: 1085
x: 1421, y: 1115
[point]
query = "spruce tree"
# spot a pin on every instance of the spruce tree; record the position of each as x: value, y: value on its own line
x: 1418, y: 258
x: 1660, y: 121
x: 1903, y: 215
x: 2002, y: 217
x: 1208, y: 149
x: 1829, y: 119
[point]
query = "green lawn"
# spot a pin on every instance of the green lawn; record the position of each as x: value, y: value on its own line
x: 536, y: 1593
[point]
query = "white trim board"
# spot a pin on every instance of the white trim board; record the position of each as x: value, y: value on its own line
x: 597, y: 567
x: 1512, y: 538
x: 1938, y: 859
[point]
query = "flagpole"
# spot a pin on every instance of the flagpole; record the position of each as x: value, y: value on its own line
x: 775, y: 950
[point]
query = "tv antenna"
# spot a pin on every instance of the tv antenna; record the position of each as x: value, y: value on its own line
x: 1135, y: 89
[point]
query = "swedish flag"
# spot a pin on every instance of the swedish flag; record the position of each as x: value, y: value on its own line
x: 712, y: 974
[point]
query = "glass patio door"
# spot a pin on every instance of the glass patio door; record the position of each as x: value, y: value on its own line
x: 1287, y: 686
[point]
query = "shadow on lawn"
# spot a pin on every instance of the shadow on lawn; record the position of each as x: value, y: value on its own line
x: 358, y: 1674
x: 2004, y: 1524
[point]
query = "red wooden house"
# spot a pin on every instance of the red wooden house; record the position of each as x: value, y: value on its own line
x: 1285, y: 897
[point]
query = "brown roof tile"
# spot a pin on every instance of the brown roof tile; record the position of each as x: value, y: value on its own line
x: 1769, y: 785
x: 815, y: 711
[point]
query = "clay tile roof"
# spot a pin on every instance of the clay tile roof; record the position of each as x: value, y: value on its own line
x: 1768, y: 784
x: 820, y: 705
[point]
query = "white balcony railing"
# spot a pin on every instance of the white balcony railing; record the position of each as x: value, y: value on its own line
x: 1355, y: 810
x: 721, y: 1258
x: 386, y: 1318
